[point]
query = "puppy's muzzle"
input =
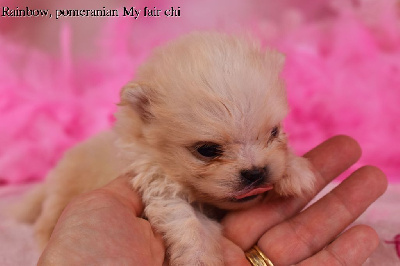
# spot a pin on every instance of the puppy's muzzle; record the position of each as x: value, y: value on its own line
x: 254, y: 176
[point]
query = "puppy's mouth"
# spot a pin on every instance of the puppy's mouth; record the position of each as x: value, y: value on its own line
x: 252, y: 193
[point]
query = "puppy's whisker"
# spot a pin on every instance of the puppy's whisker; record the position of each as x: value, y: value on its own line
x: 227, y: 109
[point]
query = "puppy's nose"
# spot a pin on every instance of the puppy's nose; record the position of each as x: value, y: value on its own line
x: 254, y: 175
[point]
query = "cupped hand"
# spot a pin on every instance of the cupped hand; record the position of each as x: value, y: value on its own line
x: 287, y: 235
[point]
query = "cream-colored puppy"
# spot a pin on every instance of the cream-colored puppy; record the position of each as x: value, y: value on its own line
x: 199, y: 129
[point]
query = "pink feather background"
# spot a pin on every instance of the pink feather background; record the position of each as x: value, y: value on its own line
x: 60, y: 79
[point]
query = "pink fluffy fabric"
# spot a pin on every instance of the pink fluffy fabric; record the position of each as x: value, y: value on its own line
x: 342, y: 75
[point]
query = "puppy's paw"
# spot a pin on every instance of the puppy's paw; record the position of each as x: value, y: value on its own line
x: 299, y: 178
x: 199, y: 244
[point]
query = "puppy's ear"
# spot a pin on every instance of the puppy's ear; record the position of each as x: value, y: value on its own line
x: 138, y: 97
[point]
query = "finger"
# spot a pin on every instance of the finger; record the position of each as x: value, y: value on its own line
x: 353, y: 247
x: 121, y: 189
x: 233, y: 254
x: 308, y: 232
x: 157, y: 248
x: 332, y: 158
x: 329, y: 160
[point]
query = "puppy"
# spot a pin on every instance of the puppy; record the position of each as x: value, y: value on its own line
x: 199, y: 130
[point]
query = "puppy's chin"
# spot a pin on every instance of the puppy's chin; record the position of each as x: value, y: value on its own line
x: 240, y: 204
x: 232, y: 203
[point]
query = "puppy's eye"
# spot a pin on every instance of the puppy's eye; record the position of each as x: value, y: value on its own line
x: 209, y: 150
x: 274, y: 132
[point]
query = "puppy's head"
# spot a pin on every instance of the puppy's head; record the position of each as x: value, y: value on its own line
x: 207, y: 109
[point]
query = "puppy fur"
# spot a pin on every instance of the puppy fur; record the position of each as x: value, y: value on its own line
x: 203, y: 111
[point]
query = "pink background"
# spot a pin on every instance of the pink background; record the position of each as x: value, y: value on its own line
x: 60, y: 79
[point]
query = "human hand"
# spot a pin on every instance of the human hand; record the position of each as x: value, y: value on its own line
x: 287, y: 236
x: 103, y: 227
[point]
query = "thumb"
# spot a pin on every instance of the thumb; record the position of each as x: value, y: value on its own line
x: 121, y: 189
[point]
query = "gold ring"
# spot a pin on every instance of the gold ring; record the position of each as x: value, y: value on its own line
x: 257, y: 258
